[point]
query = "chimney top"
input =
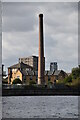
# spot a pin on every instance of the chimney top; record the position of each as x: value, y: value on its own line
x: 40, y: 15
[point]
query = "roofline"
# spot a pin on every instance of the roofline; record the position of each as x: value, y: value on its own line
x: 29, y: 56
x: 12, y: 65
x: 19, y: 67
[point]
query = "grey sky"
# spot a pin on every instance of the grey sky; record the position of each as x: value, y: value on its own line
x: 20, y: 32
x: 40, y: 0
x: 0, y: 37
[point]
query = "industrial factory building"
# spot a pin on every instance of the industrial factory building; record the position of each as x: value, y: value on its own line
x: 26, y: 74
x: 31, y: 61
x: 33, y: 67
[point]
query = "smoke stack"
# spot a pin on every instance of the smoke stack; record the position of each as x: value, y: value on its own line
x: 41, y: 63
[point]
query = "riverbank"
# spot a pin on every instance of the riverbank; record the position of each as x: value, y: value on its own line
x: 39, y: 91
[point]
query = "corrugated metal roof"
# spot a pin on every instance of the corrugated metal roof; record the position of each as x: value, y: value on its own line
x: 57, y: 72
x: 18, y: 65
x: 50, y: 73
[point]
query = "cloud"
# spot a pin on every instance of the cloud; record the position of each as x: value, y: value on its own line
x: 20, y: 32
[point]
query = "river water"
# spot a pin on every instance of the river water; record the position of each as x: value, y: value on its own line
x: 40, y: 107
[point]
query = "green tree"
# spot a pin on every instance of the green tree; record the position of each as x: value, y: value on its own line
x: 68, y: 79
x: 17, y: 81
x: 75, y: 73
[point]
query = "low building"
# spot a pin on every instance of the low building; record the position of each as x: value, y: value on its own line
x: 60, y: 75
x: 26, y: 74
x: 15, y: 71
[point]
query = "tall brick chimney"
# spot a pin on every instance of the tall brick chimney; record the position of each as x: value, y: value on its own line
x: 41, y: 59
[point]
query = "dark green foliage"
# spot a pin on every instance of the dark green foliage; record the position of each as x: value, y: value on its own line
x: 68, y: 79
x: 75, y: 73
x: 32, y: 82
x: 17, y: 81
x: 73, y: 79
x: 50, y: 83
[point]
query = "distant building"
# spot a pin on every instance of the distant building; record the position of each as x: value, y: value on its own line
x: 26, y: 74
x: 53, y: 66
x: 15, y: 70
x: 31, y: 61
x: 60, y: 75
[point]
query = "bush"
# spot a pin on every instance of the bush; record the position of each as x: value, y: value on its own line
x: 50, y: 83
x: 32, y: 82
x: 73, y: 79
x: 68, y: 79
x: 76, y: 82
x: 17, y: 81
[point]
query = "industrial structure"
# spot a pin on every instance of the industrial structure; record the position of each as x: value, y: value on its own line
x: 31, y: 61
x: 33, y: 67
x: 41, y: 61
x: 26, y: 74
